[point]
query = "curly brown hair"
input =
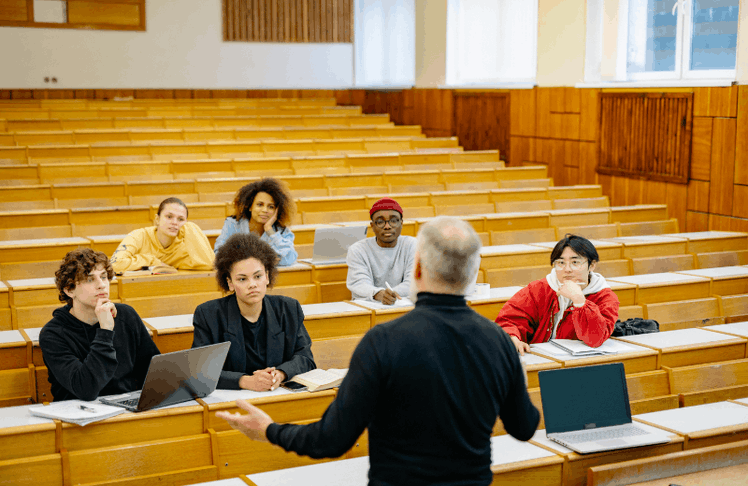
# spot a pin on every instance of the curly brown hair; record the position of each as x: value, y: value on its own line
x: 243, y: 246
x: 278, y: 190
x: 76, y: 265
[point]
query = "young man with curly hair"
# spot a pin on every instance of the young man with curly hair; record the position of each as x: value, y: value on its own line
x: 269, y: 343
x: 93, y: 347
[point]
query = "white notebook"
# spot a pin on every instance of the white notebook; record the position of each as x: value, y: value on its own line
x: 76, y: 411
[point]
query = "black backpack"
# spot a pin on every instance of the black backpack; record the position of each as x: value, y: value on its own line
x: 635, y: 325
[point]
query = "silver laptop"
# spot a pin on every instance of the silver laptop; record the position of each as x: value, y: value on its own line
x: 331, y: 244
x: 176, y: 377
x: 587, y: 410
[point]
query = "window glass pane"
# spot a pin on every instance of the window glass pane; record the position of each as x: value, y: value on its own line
x: 652, y: 33
x: 490, y: 41
x: 715, y: 34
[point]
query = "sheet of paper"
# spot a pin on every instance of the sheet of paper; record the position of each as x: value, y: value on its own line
x: 373, y: 304
x: 221, y: 396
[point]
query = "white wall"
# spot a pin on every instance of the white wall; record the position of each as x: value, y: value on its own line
x: 561, y: 42
x: 182, y: 48
x: 431, y: 43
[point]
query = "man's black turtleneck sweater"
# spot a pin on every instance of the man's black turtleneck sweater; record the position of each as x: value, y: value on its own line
x: 429, y: 386
x: 85, y: 361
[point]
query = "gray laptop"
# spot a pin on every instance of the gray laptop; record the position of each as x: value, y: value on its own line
x: 176, y: 377
x: 331, y: 244
x: 587, y: 409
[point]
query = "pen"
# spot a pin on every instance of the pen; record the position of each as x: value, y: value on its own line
x: 388, y: 285
x: 87, y: 409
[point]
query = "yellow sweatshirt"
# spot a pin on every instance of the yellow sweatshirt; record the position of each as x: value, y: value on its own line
x: 190, y: 250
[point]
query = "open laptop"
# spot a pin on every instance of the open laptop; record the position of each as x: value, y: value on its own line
x: 587, y: 409
x: 331, y: 244
x: 176, y: 377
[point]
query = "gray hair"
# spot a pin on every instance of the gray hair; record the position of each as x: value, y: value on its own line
x: 450, y: 252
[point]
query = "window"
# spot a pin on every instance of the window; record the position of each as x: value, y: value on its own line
x: 491, y: 41
x: 385, y: 42
x: 682, y: 39
x: 650, y: 40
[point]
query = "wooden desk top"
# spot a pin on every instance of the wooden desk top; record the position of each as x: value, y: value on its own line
x: 635, y: 358
x: 699, y: 420
x: 182, y: 322
x: 330, y: 309
x: 32, y: 283
x: 511, y: 249
x: 506, y: 450
x: 718, y: 272
x: 682, y: 338
x: 224, y: 396
x: 644, y: 240
x: 46, y: 242
x: 349, y: 472
x: 658, y: 279
x: 735, y: 328
x: 723, y: 476
x: 540, y: 438
x: 11, y: 339
x: 708, y: 235
x: 497, y: 294
x: 32, y: 333
x: 13, y: 417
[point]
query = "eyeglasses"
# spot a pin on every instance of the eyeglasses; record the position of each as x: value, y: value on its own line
x: 574, y: 264
x: 394, y: 222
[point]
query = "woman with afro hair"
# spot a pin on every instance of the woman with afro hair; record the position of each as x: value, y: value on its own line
x: 264, y: 208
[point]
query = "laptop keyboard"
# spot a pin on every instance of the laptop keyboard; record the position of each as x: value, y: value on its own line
x: 595, y: 435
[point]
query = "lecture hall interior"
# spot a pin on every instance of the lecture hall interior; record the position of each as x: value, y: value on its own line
x: 625, y: 121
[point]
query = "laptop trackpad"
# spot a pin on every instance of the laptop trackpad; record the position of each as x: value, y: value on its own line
x: 612, y: 442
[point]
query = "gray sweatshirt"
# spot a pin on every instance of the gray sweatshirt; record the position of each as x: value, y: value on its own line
x: 370, y: 266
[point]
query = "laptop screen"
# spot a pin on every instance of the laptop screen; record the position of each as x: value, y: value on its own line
x: 585, y: 397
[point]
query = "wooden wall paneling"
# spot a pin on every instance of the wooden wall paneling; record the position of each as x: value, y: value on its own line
x: 183, y: 94
x: 677, y: 202
x: 718, y: 222
x: 722, y: 166
x: 481, y: 121
x: 701, y: 148
x: 741, y: 145
x: 589, y: 116
x: 723, y: 102
x: 551, y: 152
x: 697, y: 221
x: 571, y: 174
x: 698, y: 196
x: 522, y: 111
x: 149, y: 94
x: 15, y: 11
x: 635, y: 190
x: 740, y: 201
x: 568, y: 126
x: 522, y: 149
x: 620, y: 191
x: 572, y: 100
x: 556, y: 102
x: 588, y: 163
x: 22, y: 94
x: 94, y: 12
x: 5, y: 94
x: 606, y: 183
x: 571, y: 155
x: 110, y: 94
x: 701, y: 102
x: 543, y: 112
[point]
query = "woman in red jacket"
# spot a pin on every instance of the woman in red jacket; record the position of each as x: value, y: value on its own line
x: 571, y: 302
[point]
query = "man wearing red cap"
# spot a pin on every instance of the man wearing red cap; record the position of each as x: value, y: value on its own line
x: 381, y: 268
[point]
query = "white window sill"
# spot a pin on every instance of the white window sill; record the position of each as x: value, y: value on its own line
x: 659, y: 83
x: 504, y: 85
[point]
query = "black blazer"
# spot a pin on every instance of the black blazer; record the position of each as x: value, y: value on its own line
x: 289, y: 347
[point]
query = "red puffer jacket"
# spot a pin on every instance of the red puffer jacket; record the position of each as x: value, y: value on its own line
x: 528, y: 315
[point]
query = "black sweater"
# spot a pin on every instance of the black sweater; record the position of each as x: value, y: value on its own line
x: 106, y: 363
x: 429, y: 386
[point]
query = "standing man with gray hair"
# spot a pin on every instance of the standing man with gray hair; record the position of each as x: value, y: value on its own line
x: 428, y: 385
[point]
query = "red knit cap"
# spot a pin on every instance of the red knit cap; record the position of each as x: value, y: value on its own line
x: 386, y: 204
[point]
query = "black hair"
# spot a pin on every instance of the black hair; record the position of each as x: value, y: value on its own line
x: 581, y: 246
x: 242, y: 246
x: 277, y: 189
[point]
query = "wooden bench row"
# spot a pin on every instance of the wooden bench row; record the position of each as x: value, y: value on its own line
x: 172, y: 150
x: 20, y: 113
x: 145, y: 102
x: 187, y: 135
x: 200, y: 122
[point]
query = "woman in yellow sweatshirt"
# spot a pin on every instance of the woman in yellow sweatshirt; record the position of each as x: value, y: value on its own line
x: 173, y: 241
